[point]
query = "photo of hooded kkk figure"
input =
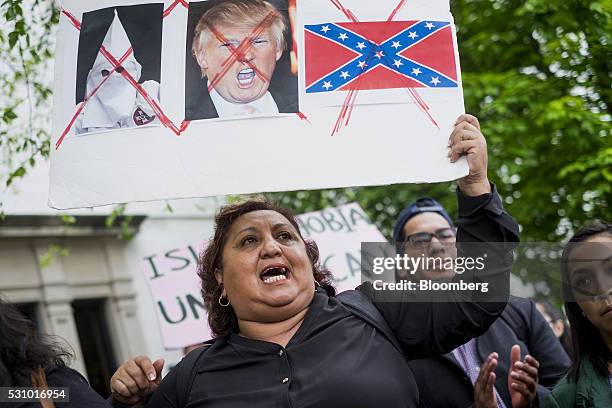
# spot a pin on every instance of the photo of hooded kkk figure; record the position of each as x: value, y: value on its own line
x: 115, y: 44
x: 238, y: 60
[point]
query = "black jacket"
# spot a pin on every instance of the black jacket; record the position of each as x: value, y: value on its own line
x: 77, y: 393
x: 520, y: 323
x: 201, y: 106
x: 247, y: 370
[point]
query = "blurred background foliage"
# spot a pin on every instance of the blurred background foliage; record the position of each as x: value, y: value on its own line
x: 27, y: 42
x: 537, y: 74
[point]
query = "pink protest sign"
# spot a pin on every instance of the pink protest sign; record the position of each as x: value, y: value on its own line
x: 175, y: 287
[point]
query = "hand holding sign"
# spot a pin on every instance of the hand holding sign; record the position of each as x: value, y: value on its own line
x: 467, y: 140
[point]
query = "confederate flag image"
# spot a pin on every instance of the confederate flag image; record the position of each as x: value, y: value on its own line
x: 379, y: 55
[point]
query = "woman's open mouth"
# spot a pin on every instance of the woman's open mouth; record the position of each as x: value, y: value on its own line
x: 246, y: 78
x: 274, y: 273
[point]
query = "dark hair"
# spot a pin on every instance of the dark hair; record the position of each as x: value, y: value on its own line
x: 587, y: 341
x: 420, y: 205
x: 223, y: 320
x: 555, y: 316
x: 23, y: 349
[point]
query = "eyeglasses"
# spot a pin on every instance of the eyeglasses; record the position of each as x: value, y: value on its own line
x: 590, y: 296
x: 422, y: 240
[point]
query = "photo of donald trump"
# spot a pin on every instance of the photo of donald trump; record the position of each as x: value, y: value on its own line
x: 251, y: 37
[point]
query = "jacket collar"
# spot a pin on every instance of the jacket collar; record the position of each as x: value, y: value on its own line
x: 591, y: 387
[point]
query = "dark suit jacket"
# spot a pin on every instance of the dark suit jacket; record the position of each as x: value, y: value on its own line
x: 202, y: 107
x: 443, y: 383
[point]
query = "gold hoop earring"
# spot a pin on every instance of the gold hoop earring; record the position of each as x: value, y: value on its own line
x: 223, y: 304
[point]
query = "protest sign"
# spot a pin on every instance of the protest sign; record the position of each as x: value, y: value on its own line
x: 339, y: 233
x: 176, y: 99
x: 175, y: 286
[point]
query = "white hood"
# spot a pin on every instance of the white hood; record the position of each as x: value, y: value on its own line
x: 114, y: 101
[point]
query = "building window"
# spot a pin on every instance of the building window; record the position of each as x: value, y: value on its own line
x: 94, y: 336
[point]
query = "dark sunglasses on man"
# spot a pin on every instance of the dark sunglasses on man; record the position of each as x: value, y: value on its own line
x: 421, y: 240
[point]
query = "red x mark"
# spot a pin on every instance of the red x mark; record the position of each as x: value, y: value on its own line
x: 88, y: 98
x: 396, y: 10
x: 116, y: 64
x: 173, y: 5
x: 348, y: 13
x: 349, y: 102
x: 239, y: 53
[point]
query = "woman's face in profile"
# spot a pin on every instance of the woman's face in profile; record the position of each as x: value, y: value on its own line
x: 266, y: 272
x: 590, y: 274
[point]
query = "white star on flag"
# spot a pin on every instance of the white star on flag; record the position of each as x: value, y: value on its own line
x: 416, y: 71
x: 429, y: 25
x: 396, y: 44
x: 435, y: 81
x: 362, y: 64
x: 361, y: 45
x: 345, y: 74
x: 397, y: 63
x: 327, y: 85
x: 379, y: 54
x: 343, y: 36
x: 325, y: 29
x: 413, y: 35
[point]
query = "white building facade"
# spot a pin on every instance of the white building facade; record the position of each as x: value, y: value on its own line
x: 84, y: 283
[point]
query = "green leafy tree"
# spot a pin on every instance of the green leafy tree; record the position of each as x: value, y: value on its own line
x: 537, y: 74
x: 27, y: 40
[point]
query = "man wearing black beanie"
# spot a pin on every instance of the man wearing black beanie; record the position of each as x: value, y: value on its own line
x: 424, y: 225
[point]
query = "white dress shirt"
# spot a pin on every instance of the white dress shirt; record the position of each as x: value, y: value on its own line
x: 264, y: 106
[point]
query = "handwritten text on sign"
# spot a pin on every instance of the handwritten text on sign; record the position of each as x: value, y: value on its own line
x: 175, y: 286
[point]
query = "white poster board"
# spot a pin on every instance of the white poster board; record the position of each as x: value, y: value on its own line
x: 175, y: 287
x: 149, y: 105
x: 339, y: 232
